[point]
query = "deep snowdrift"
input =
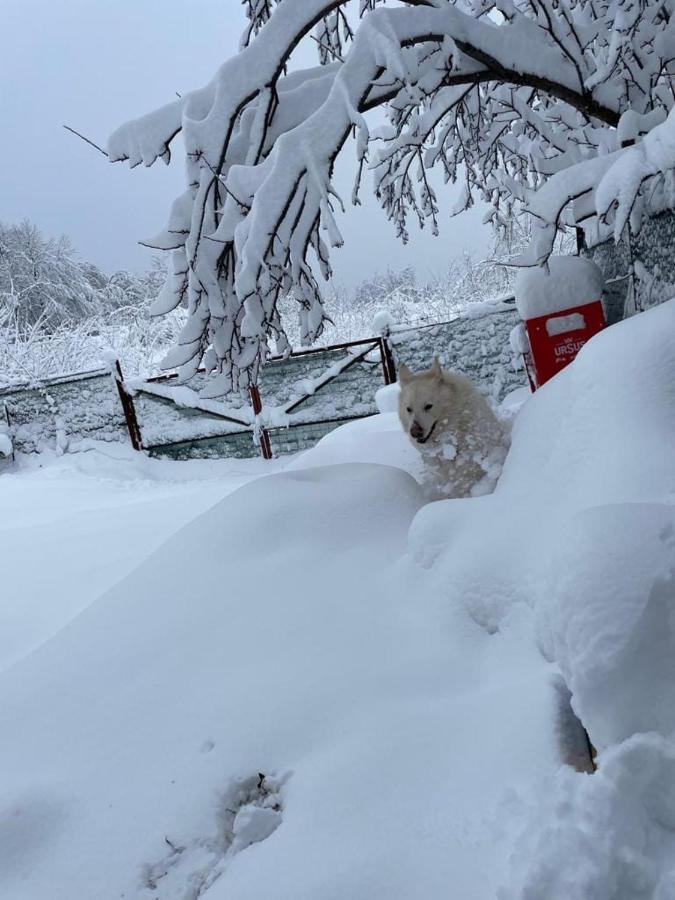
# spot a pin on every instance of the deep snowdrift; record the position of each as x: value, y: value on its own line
x: 582, y: 530
x: 281, y: 632
x: 72, y: 526
x: 397, y: 703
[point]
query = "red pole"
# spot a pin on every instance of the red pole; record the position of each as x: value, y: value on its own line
x: 129, y: 409
x: 261, y: 431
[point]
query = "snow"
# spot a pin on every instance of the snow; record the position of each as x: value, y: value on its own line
x: 377, y: 439
x: 564, y: 283
x: 651, y: 158
x: 633, y: 125
x: 301, y: 650
x: 383, y: 322
x: 606, y: 836
x: 318, y: 686
x: 74, y: 525
x: 386, y: 398
x: 580, y: 530
x: 518, y: 340
x: 563, y: 324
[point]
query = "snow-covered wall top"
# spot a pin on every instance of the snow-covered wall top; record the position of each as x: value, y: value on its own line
x: 566, y: 282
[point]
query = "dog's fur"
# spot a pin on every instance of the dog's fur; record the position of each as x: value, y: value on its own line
x: 451, y: 423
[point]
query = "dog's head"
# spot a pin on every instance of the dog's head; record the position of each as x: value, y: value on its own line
x: 424, y: 400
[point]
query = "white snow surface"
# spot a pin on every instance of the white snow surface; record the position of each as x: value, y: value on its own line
x: 386, y: 398
x: 74, y: 525
x: 263, y: 638
x: 581, y: 530
x: 383, y: 322
x: 563, y: 283
x: 317, y: 686
x: 563, y: 324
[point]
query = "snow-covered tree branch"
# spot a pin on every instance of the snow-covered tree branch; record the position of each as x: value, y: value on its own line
x: 531, y: 105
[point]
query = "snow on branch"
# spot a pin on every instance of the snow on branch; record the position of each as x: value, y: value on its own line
x: 526, y: 104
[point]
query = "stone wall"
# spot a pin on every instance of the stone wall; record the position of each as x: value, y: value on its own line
x: 652, y: 252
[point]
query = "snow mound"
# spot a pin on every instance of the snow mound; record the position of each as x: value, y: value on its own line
x: 376, y: 439
x: 386, y: 398
x: 606, y: 617
x: 568, y: 281
x: 383, y: 321
x: 577, y: 527
x: 581, y: 529
x: 609, y: 835
x: 282, y: 631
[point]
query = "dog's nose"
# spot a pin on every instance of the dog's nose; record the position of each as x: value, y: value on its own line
x: 416, y: 431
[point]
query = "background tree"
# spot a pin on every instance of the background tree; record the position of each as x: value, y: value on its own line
x: 59, y: 313
x: 535, y: 105
x: 41, y: 280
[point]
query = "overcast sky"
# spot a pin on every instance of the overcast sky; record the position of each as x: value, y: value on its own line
x: 92, y: 64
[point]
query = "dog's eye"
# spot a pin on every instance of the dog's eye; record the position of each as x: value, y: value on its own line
x: 408, y: 409
x: 428, y: 406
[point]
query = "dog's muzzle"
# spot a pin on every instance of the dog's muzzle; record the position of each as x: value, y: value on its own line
x: 417, y: 433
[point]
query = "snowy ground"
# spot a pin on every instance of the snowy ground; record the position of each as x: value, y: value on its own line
x: 316, y: 687
x: 72, y: 526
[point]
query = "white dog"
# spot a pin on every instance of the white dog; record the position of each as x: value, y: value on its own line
x: 462, y: 442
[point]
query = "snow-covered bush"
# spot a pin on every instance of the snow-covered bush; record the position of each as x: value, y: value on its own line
x: 533, y: 106
x: 404, y: 300
x: 138, y: 340
x: 41, y: 281
x: 44, y: 285
x: 60, y: 314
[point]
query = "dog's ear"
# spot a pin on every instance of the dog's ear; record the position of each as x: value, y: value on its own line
x: 404, y: 373
x: 436, y: 368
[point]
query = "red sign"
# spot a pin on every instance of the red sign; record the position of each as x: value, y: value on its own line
x: 556, y: 338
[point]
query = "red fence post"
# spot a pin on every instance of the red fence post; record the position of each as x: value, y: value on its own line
x: 260, y: 432
x: 388, y: 365
x: 128, y: 408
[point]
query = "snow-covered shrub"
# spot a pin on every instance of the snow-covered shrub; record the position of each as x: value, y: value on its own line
x: 41, y: 281
x: 44, y: 285
x: 59, y: 314
x: 399, y: 298
x: 138, y: 340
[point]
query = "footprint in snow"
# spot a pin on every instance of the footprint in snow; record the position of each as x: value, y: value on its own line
x: 249, y: 811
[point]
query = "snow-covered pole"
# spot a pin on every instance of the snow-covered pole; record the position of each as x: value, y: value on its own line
x: 260, y: 433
